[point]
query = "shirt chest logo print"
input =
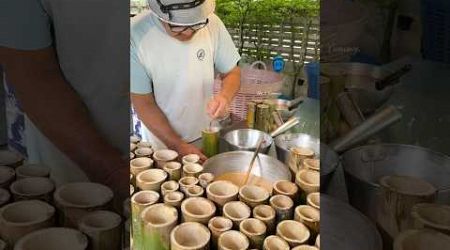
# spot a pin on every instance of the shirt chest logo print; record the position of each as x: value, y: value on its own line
x: 201, y: 54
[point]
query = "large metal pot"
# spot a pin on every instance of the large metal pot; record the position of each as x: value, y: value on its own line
x: 344, y: 228
x: 364, y: 166
x: 359, y: 79
x: 237, y: 161
x: 285, y: 141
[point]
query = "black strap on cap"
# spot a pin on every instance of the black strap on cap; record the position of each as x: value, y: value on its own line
x: 178, y: 6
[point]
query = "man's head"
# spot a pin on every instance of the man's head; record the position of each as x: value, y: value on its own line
x: 182, y: 18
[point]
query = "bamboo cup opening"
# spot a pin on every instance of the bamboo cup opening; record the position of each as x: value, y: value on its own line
x: 253, y: 226
x: 253, y: 193
x: 264, y: 212
x: 190, y: 235
x: 222, y: 189
x: 285, y: 187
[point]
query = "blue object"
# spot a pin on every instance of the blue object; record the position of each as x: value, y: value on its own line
x: 278, y: 63
x: 436, y: 26
x: 312, y: 71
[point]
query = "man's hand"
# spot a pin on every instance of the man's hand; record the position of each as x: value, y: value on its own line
x: 218, y: 106
x: 186, y: 148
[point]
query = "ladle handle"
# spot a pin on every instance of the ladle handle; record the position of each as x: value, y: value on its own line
x: 285, y: 127
x: 369, y: 127
x: 253, y: 160
x: 392, y: 78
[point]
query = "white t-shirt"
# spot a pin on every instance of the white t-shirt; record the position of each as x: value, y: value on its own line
x: 180, y: 74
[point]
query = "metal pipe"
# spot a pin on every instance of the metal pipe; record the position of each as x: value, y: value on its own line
x: 369, y: 127
x: 286, y: 126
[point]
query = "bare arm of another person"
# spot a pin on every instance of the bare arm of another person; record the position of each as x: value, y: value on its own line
x: 218, y: 106
x: 57, y: 110
x: 154, y: 119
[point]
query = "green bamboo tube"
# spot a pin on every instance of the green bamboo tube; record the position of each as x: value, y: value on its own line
x: 158, y: 221
x: 210, y: 139
x: 140, y: 201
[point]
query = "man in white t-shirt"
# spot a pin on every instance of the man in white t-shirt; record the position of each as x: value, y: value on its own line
x: 174, y: 50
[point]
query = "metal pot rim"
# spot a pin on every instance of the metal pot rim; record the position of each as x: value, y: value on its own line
x: 373, y: 184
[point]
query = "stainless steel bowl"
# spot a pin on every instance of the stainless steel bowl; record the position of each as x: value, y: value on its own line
x: 285, y: 141
x: 247, y: 139
x: 237, y: 162
x: 364, y: 166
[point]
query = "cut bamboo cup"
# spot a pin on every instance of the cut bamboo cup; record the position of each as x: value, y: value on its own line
x: 309, y: 216
x: 221, y: 192
x: 158, y: 221
x: 233, y: 240
x: 140, y: 201
x: 143, y: 152
x: 308, y: 180
x: 286, y: 188
x: 103, y: 229
x: 192, y: 169
x: 22, y: 217
x: 274, y: 242
x: 190, y: 236
x: 398, y: 195
x: 293, y: 232
x: 253, y: 195
x: 163, y: 156
x: 431, y: 216
x: 296, y: 157
x: 210, y: 141
x: 134, y: 139
x: 186, y: 182
x: 32, y: 170
x: 174, y: 199
x: 10, y: 159
x: 313, y: 164
x: 74, y: 200
x: 197, y: 209
x: 33, y: 188
x: 138, y: 165
x: 144, y: 144
x: 421, y: 239
x: 169, y: 186
x: 151, y: 179
x: 283, y: 206
x: 205, y: 179
x: 54, y: 238
x: 217, y: 226
x: 255, y: 230
x: 305, y: 247
x: 132, y: 146
x: 7, y: 176
x: 313, y: 199
x: 236, y: 211
x: 194, y: 191
x: 173, y: 168
x: 190, y: 158
x: 266, y: 214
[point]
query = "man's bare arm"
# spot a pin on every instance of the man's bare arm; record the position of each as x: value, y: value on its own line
x: 57, y: 110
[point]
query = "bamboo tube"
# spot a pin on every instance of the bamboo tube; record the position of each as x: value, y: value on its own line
x: 190, y: 236
x: 210, y: 140
x: 103, y: 229
x: 140, y: 201
x: 158, y: 221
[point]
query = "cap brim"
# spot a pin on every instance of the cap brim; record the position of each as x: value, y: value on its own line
x: 184, y: 17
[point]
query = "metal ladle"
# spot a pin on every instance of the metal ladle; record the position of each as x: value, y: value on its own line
x: 281, y: 129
